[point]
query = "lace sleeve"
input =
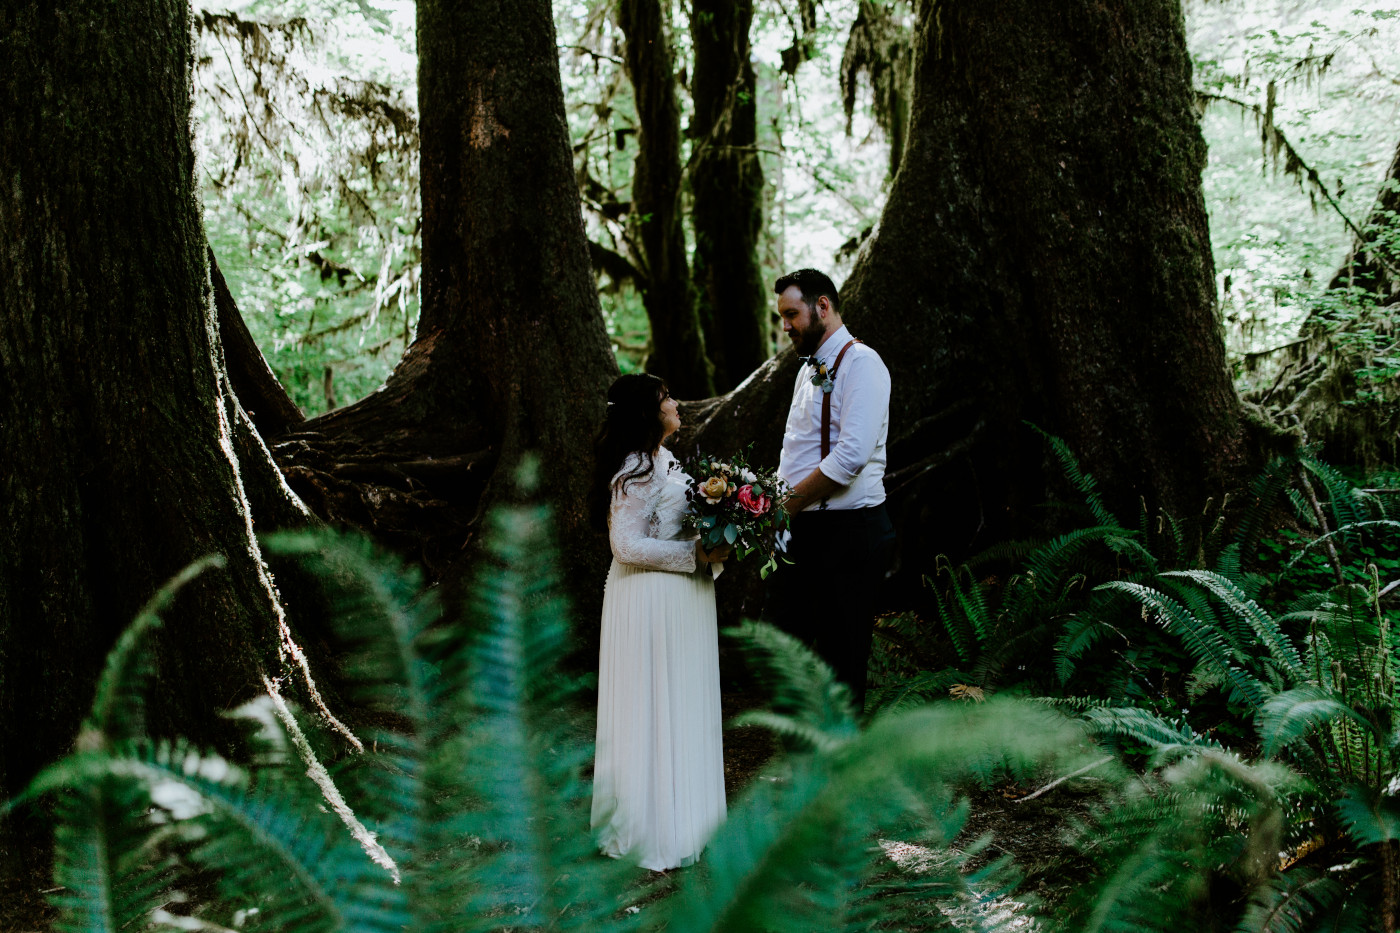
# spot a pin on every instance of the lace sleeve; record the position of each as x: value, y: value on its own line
x: 630, y: 531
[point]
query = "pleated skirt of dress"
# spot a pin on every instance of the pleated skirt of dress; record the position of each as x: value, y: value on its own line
x: 658, y: 776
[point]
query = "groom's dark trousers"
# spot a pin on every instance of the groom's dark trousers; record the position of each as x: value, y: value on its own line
x: 828, y: 596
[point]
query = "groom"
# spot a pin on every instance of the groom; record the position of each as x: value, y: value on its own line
x: 834, y: 458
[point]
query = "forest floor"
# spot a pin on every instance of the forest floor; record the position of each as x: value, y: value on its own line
x: 1031, y: 831
x: 25, y: 879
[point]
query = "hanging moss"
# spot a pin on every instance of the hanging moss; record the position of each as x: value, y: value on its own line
x: 880, y: 47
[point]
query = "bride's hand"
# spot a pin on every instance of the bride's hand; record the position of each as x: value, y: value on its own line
x: 718, y: 555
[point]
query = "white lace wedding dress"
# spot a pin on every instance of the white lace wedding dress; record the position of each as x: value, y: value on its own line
x: 658, y: 777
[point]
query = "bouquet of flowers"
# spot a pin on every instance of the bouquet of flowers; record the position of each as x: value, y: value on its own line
x: 731, y: 503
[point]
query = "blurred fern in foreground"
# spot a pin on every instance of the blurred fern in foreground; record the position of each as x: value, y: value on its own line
x: 470, y: 809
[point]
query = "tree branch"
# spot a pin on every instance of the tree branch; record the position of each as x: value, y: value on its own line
x: 1295, y: 160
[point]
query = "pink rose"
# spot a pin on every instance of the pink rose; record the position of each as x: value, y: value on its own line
x: 754, y: 505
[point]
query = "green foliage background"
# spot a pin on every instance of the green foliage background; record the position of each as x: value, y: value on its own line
x: 308, y: 135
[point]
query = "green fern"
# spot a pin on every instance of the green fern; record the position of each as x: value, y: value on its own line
x: 1203, y: 641
x: 1083, y: 482
x: 109, y: 876
x: 1281, y: 650
x: 1290, y: 903
x: 1260, y: 503
x: 1370, y: 818
x: 1346, y: 504
x: 800, y: 685
x: 119, y: 706
x: 1141, y: 726
x: 797, y: 854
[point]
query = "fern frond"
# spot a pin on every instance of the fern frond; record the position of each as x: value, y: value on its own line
x: 798, y: 731
x: 1080, y: 480
x: 1135, y: 551
x: 118, y: 708
x: 799, y: 683
x: 304, y: 869
x: 1264, y: 492
x: 1288, y: 903
x: 781, y: 838
x: 381, y: 616
x: 910, y: 692
x: 1342, y: 494
x: 1290, y: 716
x: 1139, y: 725
x: 1203, y: 641
x: 521, y: 756
x: 1004, y: 552
x: 1180, y: 554
x: 1230, y: 565
x: 383, y: 619
x: 1370, y: 818
x: 791, y: 853
x: 1081, y: 632
x: 1345, y: 532
x: 1043, y: 577
x: 108, y: 877
x: 958, y: 626
x: 1265, y: 627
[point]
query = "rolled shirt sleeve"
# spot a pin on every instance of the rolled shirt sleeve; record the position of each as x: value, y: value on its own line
x: 864, y: 384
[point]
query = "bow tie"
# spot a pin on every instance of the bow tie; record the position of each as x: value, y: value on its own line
x: 809, y: 361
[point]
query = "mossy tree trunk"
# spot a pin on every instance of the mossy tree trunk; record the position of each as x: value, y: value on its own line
x: 726, y: 181
x: 1373, y: 262
x: 1043, y: 257
x: 1333, y: 386
x: 677, y: 347
x: 123, y: 453
x: 511, y: 354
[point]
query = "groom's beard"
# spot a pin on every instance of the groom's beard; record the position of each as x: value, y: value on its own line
x: 807, y: 342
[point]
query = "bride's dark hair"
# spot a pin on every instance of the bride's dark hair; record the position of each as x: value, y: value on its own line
x: 633, y: 427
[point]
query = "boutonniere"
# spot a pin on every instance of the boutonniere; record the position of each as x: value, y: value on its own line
x: 822, y: 378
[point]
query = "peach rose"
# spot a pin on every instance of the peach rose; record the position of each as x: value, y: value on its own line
x: 713, y: 489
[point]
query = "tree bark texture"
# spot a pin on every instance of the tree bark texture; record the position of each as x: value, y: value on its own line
x: 677, y: 346
x: 511, y: 354
x: 726, y: 181
x: 1043, y: 257
x: 264, y: 399
x: 117, y: 426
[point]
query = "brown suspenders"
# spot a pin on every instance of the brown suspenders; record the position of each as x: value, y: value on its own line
x: 826, y: 400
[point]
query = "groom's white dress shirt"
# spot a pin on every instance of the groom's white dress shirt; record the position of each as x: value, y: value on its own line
x: 860, y: 424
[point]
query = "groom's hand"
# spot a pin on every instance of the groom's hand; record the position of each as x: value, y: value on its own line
x: 814, y: 487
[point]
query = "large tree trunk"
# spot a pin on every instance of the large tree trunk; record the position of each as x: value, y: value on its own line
x: 1330, y: 387
x: 264, y: 399
x: 118, y: 428
x: 511, y: 354
x: 727, y: 183
x: 1043, y: 257
x: 677, y: 347
x: 1370, y: 265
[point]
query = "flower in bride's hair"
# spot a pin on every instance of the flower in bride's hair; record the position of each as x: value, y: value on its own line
x: 713, y: 489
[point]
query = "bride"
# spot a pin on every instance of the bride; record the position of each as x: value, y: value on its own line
x: 658, y: 776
